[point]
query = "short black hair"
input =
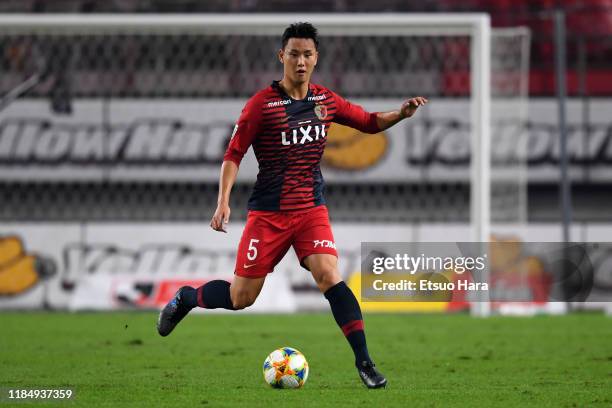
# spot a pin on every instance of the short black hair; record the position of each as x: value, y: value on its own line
x: 300, y: 30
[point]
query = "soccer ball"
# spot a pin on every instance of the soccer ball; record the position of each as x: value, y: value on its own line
x: 285, y: 368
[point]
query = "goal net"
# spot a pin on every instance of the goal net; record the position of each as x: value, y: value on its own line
x: 130, y: 115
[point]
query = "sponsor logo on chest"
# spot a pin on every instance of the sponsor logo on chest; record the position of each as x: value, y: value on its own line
x: 303, y: 135
x: 279, y: 103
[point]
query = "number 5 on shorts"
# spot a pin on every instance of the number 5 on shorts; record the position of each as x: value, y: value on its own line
x: 252, y: 256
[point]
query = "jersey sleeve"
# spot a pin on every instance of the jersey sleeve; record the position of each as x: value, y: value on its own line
x: 354, y: 116
x: 245, y: 131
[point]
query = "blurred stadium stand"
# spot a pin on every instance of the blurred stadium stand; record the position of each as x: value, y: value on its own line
x: 589, y: 26
x: 163, y: 70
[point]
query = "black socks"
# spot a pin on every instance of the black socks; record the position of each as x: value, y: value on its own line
x: 347, y: 313
x: 345, y: 308
x: 212, y: 295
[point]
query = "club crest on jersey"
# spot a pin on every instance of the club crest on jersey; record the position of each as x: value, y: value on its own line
x: 320, y: 111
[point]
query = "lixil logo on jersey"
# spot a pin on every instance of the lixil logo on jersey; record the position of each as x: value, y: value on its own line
x: 303, y: 135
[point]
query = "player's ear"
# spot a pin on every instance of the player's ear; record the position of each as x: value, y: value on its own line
x: 281, y: 54
x: 316, y: 57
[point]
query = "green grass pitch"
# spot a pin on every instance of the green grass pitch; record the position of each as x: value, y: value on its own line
x: 118, y: 360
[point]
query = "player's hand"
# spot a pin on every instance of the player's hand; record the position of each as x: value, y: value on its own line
x: 411, y: 105
x: 220, y: 218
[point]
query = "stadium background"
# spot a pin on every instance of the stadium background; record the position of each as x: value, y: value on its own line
x: 94, y: 213
x: 84, y: 226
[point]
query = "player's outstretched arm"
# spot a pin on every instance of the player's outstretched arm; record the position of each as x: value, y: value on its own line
x: 229, y: 171
x: 387, y: 119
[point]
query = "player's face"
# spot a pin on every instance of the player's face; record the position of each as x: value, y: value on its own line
x: 299, y: 59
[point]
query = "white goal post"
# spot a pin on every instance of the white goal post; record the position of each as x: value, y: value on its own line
x: 475, y: 26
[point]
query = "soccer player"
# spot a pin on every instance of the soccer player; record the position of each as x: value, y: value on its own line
x: 287, y: 124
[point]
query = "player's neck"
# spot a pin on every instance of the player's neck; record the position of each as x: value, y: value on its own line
x: 296, y: 91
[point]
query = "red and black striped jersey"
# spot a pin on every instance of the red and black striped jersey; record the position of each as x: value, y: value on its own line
x: 288, y: 137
